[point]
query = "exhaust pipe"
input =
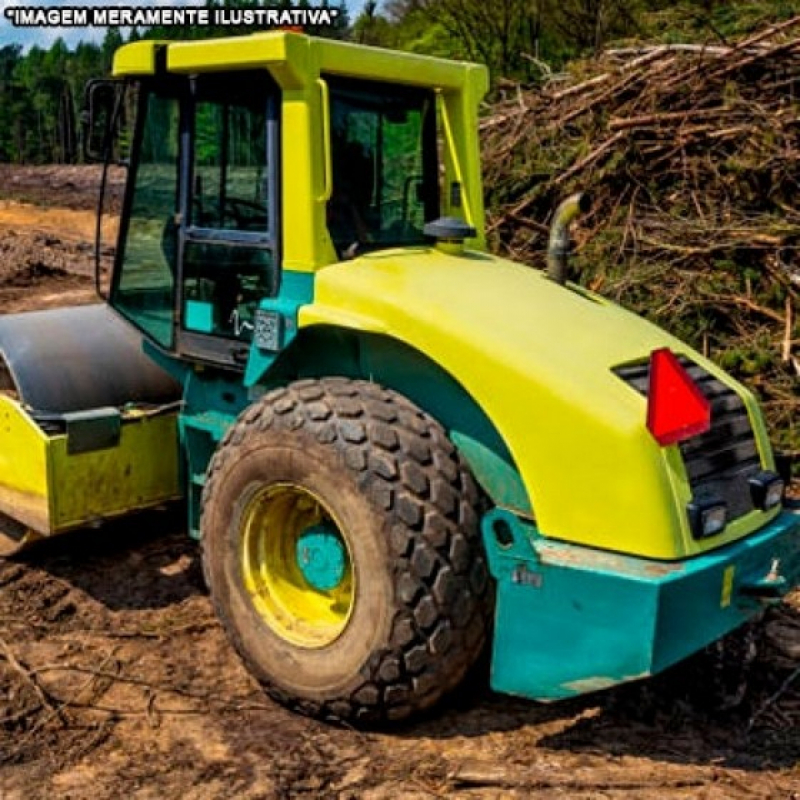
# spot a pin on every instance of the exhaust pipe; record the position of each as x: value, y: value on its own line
x: 558, y: 247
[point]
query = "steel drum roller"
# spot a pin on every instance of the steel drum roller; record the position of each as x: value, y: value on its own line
x: 72, y: 359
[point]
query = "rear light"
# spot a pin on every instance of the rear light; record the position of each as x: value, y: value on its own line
x: 707, y: 518
x: 676, y: 408
x: 766, y: 489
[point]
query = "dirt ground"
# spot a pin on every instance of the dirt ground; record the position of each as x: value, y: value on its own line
x: 117, y: 681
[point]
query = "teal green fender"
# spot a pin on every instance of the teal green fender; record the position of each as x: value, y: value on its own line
x: 328, y: 350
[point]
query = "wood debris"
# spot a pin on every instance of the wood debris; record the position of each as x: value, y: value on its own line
x: 692, y: 157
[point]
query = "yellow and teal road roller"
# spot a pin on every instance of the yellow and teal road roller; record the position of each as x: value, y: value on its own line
x: 393, y: 446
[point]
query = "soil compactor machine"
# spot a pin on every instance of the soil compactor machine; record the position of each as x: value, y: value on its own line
x: 393, y: 446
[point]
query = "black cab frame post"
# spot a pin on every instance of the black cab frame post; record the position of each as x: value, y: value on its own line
x: 102, y: 106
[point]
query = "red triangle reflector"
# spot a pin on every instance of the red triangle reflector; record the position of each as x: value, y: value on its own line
x: 676, y: 408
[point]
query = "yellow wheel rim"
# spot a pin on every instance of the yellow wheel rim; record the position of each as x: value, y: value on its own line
x: 296, y: 565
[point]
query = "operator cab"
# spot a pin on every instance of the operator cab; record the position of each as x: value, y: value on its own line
x: 203, y: 231
x: 239, y: 176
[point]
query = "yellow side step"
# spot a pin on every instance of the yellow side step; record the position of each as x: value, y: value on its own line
x: 47, y: 488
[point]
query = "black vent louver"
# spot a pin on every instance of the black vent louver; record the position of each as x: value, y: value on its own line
x: 719, y: 462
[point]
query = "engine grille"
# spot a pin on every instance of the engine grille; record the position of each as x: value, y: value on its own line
x: 719, y: 462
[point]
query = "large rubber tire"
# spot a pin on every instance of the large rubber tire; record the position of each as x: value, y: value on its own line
x: 407, y: 510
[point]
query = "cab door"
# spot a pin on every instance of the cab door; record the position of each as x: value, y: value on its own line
x: 227, y: 232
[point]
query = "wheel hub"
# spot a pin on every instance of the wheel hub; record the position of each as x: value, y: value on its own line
x: 296, y: 565
x: 321, y: 557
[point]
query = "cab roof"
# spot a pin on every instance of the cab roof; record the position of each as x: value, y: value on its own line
x: 295, y: 60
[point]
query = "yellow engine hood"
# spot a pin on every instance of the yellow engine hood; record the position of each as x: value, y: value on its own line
x: 537, y: 357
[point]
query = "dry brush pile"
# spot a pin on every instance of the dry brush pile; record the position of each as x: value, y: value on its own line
x: 692, y: 157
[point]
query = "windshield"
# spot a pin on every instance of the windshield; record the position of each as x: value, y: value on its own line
x: 144, y: 286
x: 383, y: 149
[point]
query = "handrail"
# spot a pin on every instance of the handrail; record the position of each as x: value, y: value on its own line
x: 451, y: 146
x: 327, y: 180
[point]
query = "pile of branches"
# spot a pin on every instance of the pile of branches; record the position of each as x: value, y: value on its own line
x: 692, y: 157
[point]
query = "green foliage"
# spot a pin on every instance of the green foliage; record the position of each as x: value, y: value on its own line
x: 37, y: 102
x: 712, y: 21
x: 747, y: 362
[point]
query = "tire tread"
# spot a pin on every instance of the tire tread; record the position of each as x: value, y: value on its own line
x: 412, y: 474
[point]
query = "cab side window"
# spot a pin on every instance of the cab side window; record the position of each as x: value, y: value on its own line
x: 229, y: 256
x: 385, y: 174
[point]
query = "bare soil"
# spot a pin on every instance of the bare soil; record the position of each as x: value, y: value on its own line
x: 117, y: 681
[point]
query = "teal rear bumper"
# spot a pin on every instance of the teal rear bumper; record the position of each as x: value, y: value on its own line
x: 570, y: 619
